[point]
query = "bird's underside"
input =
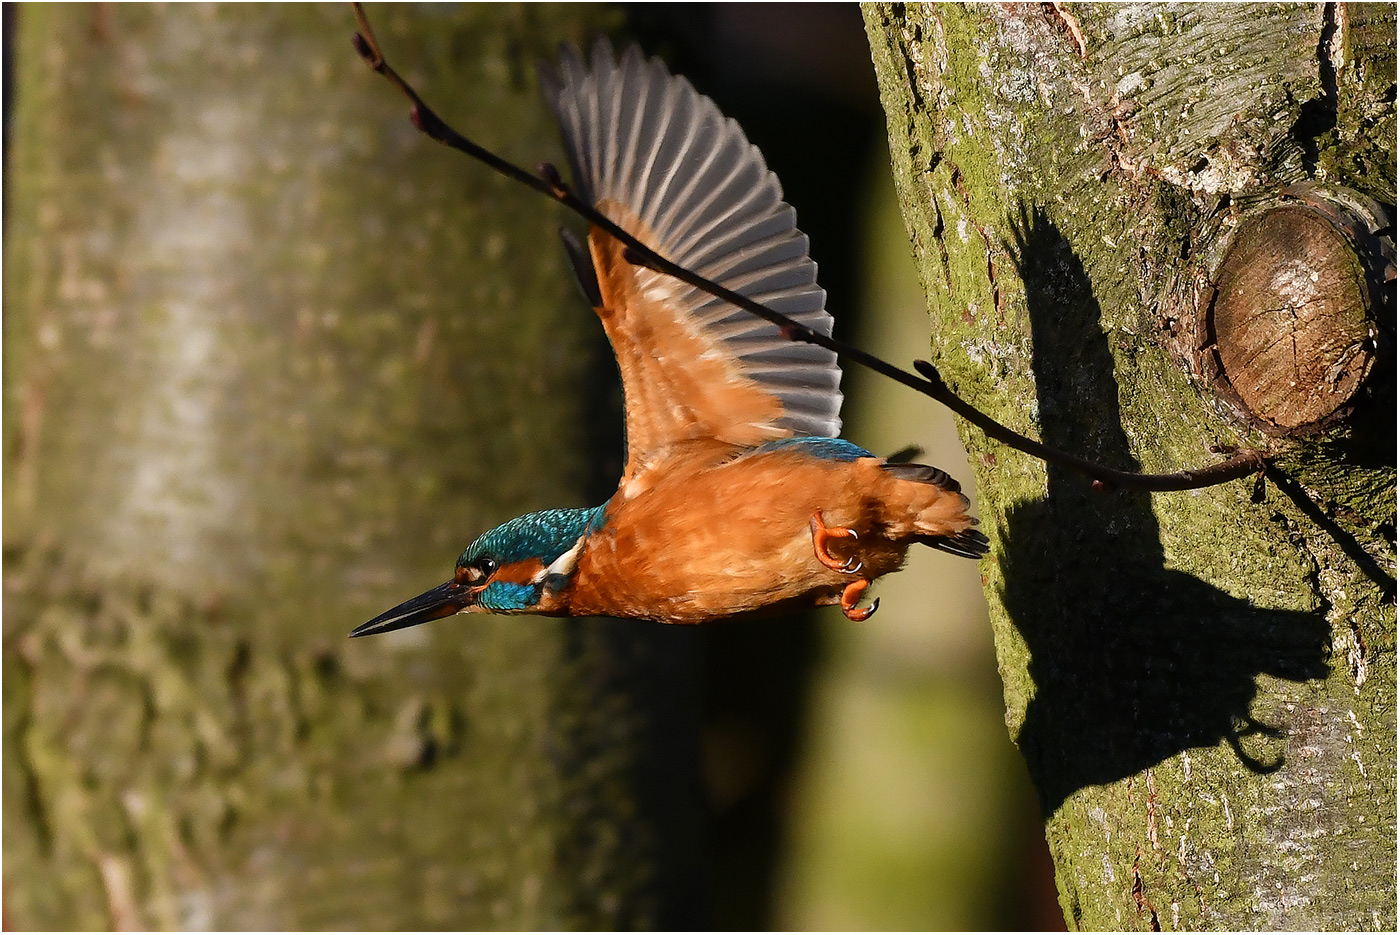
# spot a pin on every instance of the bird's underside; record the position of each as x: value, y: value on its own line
x: 724, y: 532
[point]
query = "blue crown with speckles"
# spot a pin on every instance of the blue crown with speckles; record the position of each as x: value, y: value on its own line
x: 545, y: 535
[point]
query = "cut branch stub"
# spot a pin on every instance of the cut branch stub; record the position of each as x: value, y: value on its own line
x: 1291, y: 319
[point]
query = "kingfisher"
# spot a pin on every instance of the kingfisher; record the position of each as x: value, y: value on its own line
x: 738, y: 497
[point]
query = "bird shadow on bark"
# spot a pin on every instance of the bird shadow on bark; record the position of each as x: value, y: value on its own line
x: 1131, y: 661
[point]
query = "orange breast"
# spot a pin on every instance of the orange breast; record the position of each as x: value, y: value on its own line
x: 702, y: 537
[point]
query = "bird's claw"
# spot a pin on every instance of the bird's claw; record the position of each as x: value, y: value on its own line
x: 821, y: 534
x: 852, y: 594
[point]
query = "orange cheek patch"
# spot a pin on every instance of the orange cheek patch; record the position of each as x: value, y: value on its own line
x: 521, y: 572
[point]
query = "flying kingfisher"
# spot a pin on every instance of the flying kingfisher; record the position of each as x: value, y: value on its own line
x: 738, y: 496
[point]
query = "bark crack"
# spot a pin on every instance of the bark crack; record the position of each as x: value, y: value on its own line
x: 1357, y: 654
x: 956, y: 179
x: 1061, y: 13
x: 937, y: 232
x: 1317, y: 116
x: 1143, y: 903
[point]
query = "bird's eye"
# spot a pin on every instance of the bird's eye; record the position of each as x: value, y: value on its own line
x: 478, y: 571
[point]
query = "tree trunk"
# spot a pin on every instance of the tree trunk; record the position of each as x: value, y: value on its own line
x: 272, y: 359
x: 1145, y: 232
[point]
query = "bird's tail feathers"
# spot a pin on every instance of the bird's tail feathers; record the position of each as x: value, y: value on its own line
x: 941, y: 512
x: 923, y: 474
x: 966, y: 544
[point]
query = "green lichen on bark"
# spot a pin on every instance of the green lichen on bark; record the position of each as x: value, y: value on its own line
x: 272, y: 359
x: 1203, y: 687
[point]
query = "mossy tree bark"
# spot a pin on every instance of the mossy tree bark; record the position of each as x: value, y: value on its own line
x: 1203, y: 686
x: 272, y: 358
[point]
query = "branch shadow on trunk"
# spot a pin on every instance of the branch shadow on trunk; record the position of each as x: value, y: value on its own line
x: 1132, y: 662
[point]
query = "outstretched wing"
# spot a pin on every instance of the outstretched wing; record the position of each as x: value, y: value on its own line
x: 659, y: 159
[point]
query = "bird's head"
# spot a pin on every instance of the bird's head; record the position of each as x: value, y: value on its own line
x: 520, y: 567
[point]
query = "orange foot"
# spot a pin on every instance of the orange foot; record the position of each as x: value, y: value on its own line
x: 851, y: 595
x: 822, y: 534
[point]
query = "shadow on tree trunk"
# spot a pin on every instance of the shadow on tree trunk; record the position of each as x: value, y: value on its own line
x: 1152, y: 661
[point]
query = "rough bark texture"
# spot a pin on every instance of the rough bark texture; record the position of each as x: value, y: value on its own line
x: 1203, y: 686
x: 272, y: 358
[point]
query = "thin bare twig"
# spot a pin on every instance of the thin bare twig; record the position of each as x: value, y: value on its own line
x: 548, y: 183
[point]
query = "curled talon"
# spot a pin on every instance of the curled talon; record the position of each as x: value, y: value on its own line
x: 822, y: 534
x: 852, y: 594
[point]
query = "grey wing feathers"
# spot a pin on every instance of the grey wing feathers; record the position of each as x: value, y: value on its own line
x: 647, y: 140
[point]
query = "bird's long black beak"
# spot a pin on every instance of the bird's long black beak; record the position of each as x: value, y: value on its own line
x: 442, y: 601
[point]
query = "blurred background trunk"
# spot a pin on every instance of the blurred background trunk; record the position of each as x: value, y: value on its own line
x: 1203, y: 687
x: 272, y: 359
